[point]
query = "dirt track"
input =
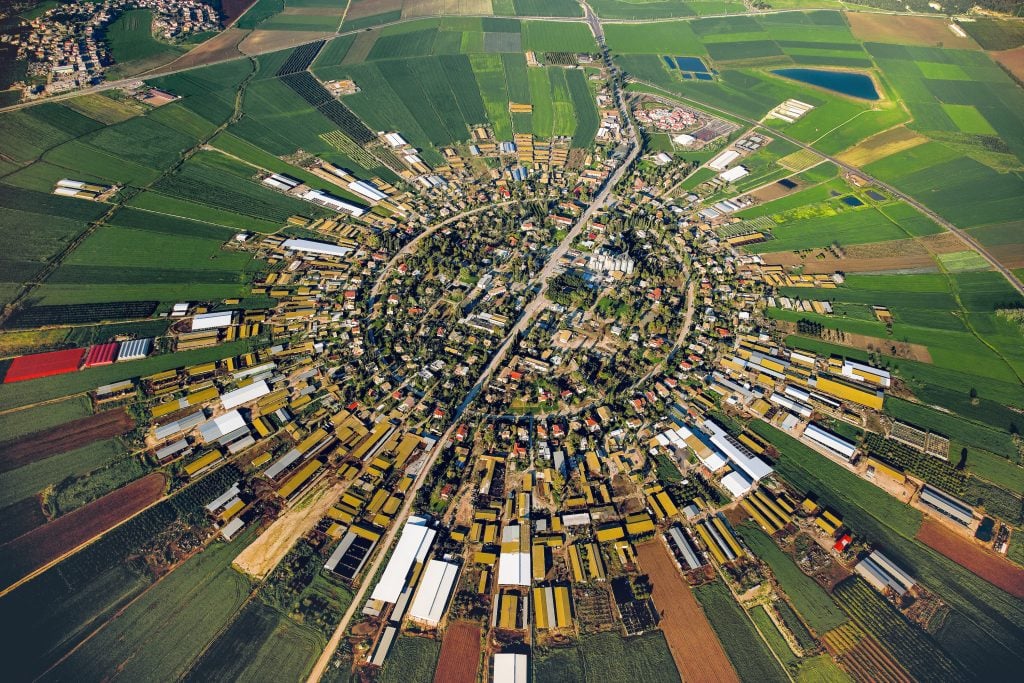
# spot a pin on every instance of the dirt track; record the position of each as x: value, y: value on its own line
x: 694, y: 645
x: 989, y: 566
x: 48, y: 542
x: 460, y: 654
x: 66, y: 437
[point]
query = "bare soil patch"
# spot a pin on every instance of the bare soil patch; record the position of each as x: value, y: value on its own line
x: 965, y: 552
x: 1010, y: 255
x: 63, y: 438
x: 314, y: 11
x: 893, y: 28
x: 1013, y: 60
x: 889, y: 347
x: 943, y: 243
x: 460, y: 654
x: 881, y: 145
x: 46, y: 543
x: 774, y: 191
x: 695, y: 647
x: 269, y: 549
x: 359, y: 9
x: 261, y: 41
x: 232, y: 9
x: 221, y: 47
x: 877, y: 257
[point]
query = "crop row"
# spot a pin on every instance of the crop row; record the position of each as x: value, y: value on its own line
x: 912, y: 647
x: 301, y: 58
x: 940, y: 473
x: 310, y: 89
x: 38, y: 316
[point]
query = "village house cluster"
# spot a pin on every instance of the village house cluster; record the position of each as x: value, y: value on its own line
x: 66, y: 44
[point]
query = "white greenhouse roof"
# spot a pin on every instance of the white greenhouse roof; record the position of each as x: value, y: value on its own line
x: 436, y: 586
x: 412, y: 546
x: 212, y: 321
x: 251, y: 392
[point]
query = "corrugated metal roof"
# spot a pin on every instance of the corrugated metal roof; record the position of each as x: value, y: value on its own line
x: 436, y: 586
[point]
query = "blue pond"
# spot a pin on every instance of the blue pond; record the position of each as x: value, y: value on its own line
x: 850, y: 200
x: 670, y: 62
x: 843, y: 82
x: 691, y: 64
x: 703, y: 77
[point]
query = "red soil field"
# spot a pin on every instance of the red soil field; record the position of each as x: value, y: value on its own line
x: 66, y: 437
x: 43, y: 365
x: 695, y: 647
x: 48, y: 542
x: 232, y: 9
x: 460, y: 654
x: 989, y: 566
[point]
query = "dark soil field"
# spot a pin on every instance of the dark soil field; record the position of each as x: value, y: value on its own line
x: 693, y: 643
x: 989, y: 566
x: 48, y: 542
x: 460, y: 654
x: 20, y: 518
x: 66, y: 437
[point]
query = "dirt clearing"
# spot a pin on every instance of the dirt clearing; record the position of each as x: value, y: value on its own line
x: 64, y: 438
x: 878, y: 257
x: 893, y: 28
x: 965, y: 552
x: 265, y: 552
x: 460, y: 654
x: 889, y: 347
x: 694, y: 645
x: 1012, y: 60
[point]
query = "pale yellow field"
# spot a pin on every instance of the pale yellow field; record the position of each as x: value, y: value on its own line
x: 882, y: 145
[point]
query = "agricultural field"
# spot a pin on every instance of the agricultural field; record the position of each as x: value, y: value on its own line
x: 608, y: 656
x: 411, y: 660
x: 747, y: 651
x: 811, y: 601
x: 183, y: 612
x: 893, y: 526
x: 459, y: 660
x: 133, y: 46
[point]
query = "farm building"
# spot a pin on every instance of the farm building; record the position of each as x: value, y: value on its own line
x: 747, y: 468
x: 883, y: 573
x: 367, y: 191
x: 172, y: 450
x: 224, y: 429
x: 431, y: 601
x: 722, y: 161
x: 166, y: 431
x: 350, y: 555
x: 281, y: 182
x: 101, y: 354
x: 846, y: 392
x: 865, y: 373
x: 232, y: 528
x: 683, y: 549
x: 412, y: 548
x: 384, y: 646
x: 395, y: 140
x: 833, y: 442
x: 212, y: 321
x: 314, y: 247
x: 223, y: 499
x: 134, y: 349
x: 248, y: 393
x: 734, y: 174
x: 40, y: 365
x: 331, y: 202
x: 510, y: 668
x: 951, y: 507
x: 514, y: 562
x: 552, y: 607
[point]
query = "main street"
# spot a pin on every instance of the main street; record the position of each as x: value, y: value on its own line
x: 538, y: 304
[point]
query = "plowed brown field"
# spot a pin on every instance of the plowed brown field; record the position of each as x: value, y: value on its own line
x: 64, y: 438
x: 460, y: 654
x: 989, y: 566
x: 48, y: 542
x: 695, y: 647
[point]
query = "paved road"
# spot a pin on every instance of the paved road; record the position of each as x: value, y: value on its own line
x: 538, y: 304
x: 670, y: 97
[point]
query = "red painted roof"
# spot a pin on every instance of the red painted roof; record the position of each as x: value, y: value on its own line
x: 101, y: 354
x: 43, y: 365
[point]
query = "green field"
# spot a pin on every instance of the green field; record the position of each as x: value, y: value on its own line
x: 746, y: 650
x: 133, y: 46
x: 609, y: 657
x: 410, y: 660
x: 183, y: 613
x: 776, y: 641
x: 811, y: 601
x: 31, y: 479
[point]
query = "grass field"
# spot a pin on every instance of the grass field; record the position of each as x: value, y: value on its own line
x: 33, y: 478
x: 183, y: 613
x: 776, y: 641
x: 411, y: 660
x: 21, y: 422
x: 811, y: 601
x: 133, y: 46
x: 747, y: 651
x: 608, y: 657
